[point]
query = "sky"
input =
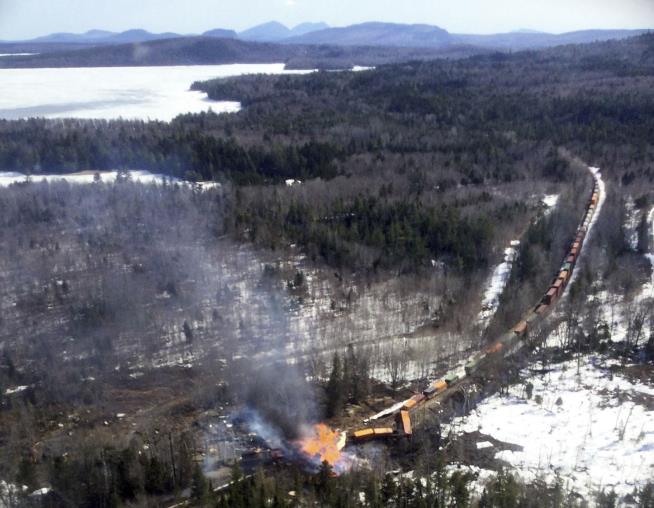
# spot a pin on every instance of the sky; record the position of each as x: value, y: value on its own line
x: 22, y: 19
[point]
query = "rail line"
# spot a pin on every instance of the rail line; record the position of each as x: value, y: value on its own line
x: 507, y: 345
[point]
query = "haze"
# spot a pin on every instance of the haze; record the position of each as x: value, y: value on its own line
x: 23, y: 19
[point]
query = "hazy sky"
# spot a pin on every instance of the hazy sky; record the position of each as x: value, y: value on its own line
x: 21, y: 19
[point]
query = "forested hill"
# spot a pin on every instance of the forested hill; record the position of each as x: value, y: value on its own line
x: 211, y: 50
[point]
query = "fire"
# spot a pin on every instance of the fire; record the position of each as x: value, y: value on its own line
x: 323, y: 444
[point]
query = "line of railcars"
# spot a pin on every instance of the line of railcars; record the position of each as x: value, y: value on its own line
x: 506, y: 345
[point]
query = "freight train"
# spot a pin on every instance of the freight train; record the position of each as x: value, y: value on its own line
x: 506, y: 345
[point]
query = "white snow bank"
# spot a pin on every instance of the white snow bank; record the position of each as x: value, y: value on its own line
x: 497, y: 283
x: 589, y: 427
x: 142, y: 93
x: 630, y: 226
x: 17, y: 389
x: 550, y: 200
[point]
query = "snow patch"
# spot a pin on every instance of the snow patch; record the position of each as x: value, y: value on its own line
x: 550, y: 200
x: 497, y: 283
x: 17, y: 389
x: 582, y: 422
x: 632, y: 220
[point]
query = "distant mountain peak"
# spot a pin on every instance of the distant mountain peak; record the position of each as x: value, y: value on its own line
x: 270, y: 31
x: 376, y: 33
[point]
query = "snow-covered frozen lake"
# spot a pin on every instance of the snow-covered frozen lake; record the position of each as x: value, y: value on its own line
x: 142, y: 93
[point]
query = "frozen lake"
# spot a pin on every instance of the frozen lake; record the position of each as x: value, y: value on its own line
x: 141, y: 93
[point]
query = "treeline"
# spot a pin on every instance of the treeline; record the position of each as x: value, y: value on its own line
x: 436, y: 488
x: 43, y: 147
x: 103, y: 476
x: 379, y: 233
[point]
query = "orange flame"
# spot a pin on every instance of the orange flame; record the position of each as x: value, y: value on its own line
x: 323, y: 444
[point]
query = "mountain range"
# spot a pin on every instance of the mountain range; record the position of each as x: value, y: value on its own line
x: 364, y: 34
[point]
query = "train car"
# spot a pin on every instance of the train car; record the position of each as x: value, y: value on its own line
x: 451, y: 378
x: 383, y: 432
x: 434, y: 389
x: 550, y: 296
x: 533, y: 317
x: 541, y: 309
x: 494, y: 348
x: 473, y: 363
x: 571, y: 259
x: 403, y: 422
x: 363, y: 434
x: 564, y: 275
x: 520, y: 328
x: 409, y: 404
x: 559, y: 286
x: 413, y: 401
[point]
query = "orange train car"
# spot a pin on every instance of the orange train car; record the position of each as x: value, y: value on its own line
x: 370, y: 433
x: 494, y: 348
x: 363, y: 434
x: 434, y: 388
x: 413, y: 401
x: 404, y: 423
x: 409, y: 404
x: 520, y: 328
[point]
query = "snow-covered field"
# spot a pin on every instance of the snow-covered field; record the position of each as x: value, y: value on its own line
x: 154, y: 93
x: 590, y: 427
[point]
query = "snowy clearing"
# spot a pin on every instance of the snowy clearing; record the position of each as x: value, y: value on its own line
x: 550, y: 200
x: 141, y: 93
x: 87, y: 177
x: 17, y: 389
x: 630, y: 225
x: 497, y: 282
x: 583, y: 423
